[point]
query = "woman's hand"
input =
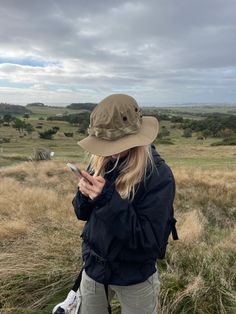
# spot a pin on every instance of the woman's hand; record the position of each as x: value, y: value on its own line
x: 94, y: 189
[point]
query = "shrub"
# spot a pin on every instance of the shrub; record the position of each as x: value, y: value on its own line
x: 225, y: 141
x: 68, y: 134
x: 48, y: 134
x: 29, y: 128
x: 4, y: 140
x: 40, y: 154
x: 164, y: 132
x: 7, y: 118
x: 177, y: 119
x: 187, y: 133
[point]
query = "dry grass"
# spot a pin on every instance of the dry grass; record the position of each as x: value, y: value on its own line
x: 191, y: 226
x: 200, y: 276
x: 40, y: 240
x: 39, y: 231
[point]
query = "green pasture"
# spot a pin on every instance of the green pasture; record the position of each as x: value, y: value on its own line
x: 184, y: 151
x: 193, y: 112
x: 49, y: 111
x: 203, y: 109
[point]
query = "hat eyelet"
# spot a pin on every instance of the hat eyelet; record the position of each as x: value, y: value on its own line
x: 124, y: 118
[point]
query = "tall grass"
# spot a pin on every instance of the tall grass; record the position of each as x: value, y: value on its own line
x: 41, y: 250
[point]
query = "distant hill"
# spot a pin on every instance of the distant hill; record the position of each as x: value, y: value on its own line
x: 79, y: 106
x: 35, y: 104
x: 13, y: 109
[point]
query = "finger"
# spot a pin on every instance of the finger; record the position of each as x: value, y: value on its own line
x: 84, y: 183
x: 80, y: 181
x: 89, y: 188
x: 99, y: 179
x: 88, y: 176
x: 84, y: 191
x: 93, y: 195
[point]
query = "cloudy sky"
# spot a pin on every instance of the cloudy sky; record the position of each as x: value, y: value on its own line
x: 158, y: 51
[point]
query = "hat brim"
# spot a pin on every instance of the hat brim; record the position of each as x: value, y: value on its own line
x: 101, y: 147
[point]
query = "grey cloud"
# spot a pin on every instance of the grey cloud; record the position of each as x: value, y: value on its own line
x: 128, y: 44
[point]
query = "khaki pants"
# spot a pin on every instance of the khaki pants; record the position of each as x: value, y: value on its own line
x: 141, y: 298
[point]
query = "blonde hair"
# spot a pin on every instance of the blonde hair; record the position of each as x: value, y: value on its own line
x: 132, y: 170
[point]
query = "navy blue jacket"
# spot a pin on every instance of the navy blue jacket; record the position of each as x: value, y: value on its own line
x: 122, y: 239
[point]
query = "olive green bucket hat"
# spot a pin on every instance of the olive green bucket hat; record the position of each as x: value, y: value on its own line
x: 117, y: 124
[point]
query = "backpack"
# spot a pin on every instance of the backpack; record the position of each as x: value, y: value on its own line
x: 170, y: 228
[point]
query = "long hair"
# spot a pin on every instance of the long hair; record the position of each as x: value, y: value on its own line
x: 132, y: 170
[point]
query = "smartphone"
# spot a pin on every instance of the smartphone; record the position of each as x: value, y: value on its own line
x: 77, y: 171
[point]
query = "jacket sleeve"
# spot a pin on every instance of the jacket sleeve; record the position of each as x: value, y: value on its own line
x: 142, y: 225
x: 82, y: 207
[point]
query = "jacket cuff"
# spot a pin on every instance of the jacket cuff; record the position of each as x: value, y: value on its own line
x: 81, y: 197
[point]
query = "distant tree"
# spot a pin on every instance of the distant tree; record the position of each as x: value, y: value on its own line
x: 206, y: 133
x: 19, y: 125
x: 176, y: 119
x: 80, y: 106
x: 164, y: 132
x: 7, y: 118
x: 83, y: 126
x: 48, y: 134
x: 26, y: 116
x: 29, y: 128
x: 213, y: 125
x: 162, y: 116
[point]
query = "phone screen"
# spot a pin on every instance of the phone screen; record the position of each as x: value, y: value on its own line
x: 77, y: 171
x: 74, y: 168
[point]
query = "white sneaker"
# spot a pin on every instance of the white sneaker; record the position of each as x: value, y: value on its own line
x: 70, y: 305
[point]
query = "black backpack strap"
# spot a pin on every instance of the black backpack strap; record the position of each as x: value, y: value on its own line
x: 108, y: 303
x: 174, y: 233
x: 173, y: 229
x: 77, y: 285
x: 78, y: 281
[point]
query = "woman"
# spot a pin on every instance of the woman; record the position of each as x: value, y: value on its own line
x: 126, y: 200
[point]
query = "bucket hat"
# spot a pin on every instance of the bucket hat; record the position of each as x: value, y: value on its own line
x: 117, y: 124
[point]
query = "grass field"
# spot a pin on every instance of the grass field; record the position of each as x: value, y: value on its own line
x: 44, y: 112
x: 185, y: 151
x: 40, y: 236
x: 41, y: 249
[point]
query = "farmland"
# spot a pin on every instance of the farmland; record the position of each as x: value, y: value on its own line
x: 40, y: 235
